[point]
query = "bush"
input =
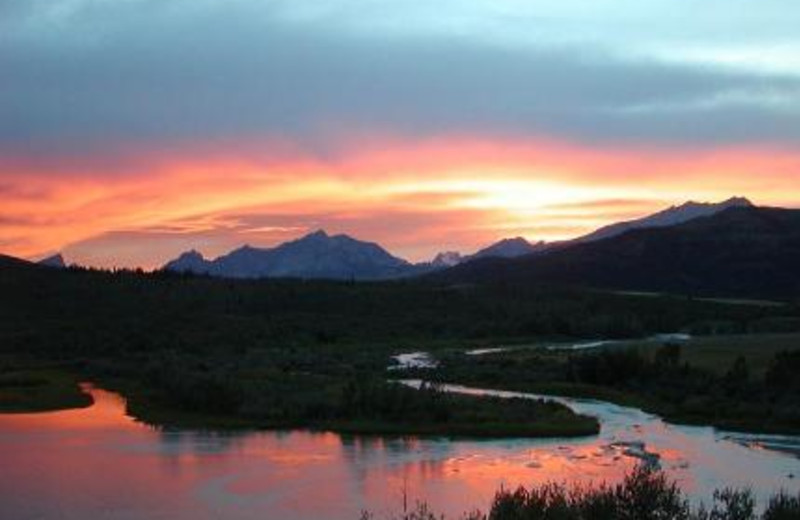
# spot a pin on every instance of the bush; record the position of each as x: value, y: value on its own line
x: 783, y: 507
x: 730, y: 504
x: 644, y: 494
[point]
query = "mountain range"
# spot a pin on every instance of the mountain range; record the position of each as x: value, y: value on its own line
x: 669, y: 217
x: 319, y: 255
x: 741, y: 251
x: 335, y: 257
x: 730, y: 248
x: 505, y: 248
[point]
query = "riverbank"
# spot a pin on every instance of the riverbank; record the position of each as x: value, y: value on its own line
x: 40, y: 390
x: 744, y: 424
x: 291, y: 352
x: 743, y: 383
x: 426, y: 412
x: 400, y: 412
x: 270, y: 473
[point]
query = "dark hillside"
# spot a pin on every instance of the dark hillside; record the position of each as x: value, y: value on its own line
x: 740, y: 252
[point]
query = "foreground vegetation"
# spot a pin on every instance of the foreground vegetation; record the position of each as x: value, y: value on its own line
x: 278, y: 353
x: 642, y: 495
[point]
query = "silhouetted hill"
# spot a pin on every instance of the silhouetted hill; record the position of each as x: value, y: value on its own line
x: 671, y: 216
x: 741, y: 251
x: 10, y: 261
x: 507, y: 248
x: 519, y: 246
x: 56, y: 260
x: 317, y: 255
x: 446, y: 259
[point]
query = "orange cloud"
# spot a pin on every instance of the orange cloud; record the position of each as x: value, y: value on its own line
x: 414, y: 197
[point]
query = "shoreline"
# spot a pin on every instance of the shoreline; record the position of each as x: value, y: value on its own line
x: 147, y: 409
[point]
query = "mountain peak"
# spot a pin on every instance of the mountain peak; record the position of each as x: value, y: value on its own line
x: 671, y: 216
x: 514, y: 240
x: 56, y: 260
x: 447, y: 259
x: 191, y: 261
x: 245, y: 248
x: 320, y: 233
x: 508, y: 248
x: 733, y: 252
x: 315, y: 255
x: 736, y: 201
x: 192, y: 254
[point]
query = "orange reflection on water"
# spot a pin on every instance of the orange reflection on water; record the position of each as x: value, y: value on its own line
x: 466, y: 481
x: 98, y: 462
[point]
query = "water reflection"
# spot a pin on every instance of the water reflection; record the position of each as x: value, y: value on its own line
x: 99, y: 463
x: 701, y: 459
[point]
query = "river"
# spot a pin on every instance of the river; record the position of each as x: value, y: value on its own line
x: 99, y: 463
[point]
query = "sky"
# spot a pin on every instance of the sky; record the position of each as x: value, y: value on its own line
x: 133, y: 130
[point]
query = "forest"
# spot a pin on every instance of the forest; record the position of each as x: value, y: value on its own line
x: 279, y: 353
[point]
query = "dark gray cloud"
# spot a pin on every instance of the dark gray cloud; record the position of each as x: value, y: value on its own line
x: 144, y: 73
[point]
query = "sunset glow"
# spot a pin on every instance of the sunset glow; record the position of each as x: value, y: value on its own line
x: 141, y: 148
x: 382, y: 259
x: 414, y: 198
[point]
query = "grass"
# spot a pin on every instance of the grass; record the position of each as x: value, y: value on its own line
x: 265, y: 350
x: 724, y: 301
x: 540, y: 371
x: 47, y: 389
x: 40, y: 390
x: 643, y: 402
x: 717, y: 353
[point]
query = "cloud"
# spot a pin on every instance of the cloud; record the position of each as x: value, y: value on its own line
x: 453, y: 192
x: 422, y: 125
x: 100, y: 75
x: 416, y: 234
x: 604, y: 204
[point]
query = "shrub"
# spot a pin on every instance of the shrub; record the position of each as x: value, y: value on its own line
x: 644, y: 494
x: 783, y: 507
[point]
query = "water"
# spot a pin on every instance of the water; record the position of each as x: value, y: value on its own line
x: 98, y: 463
x: 669, y: 337
x: 413, y: 360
